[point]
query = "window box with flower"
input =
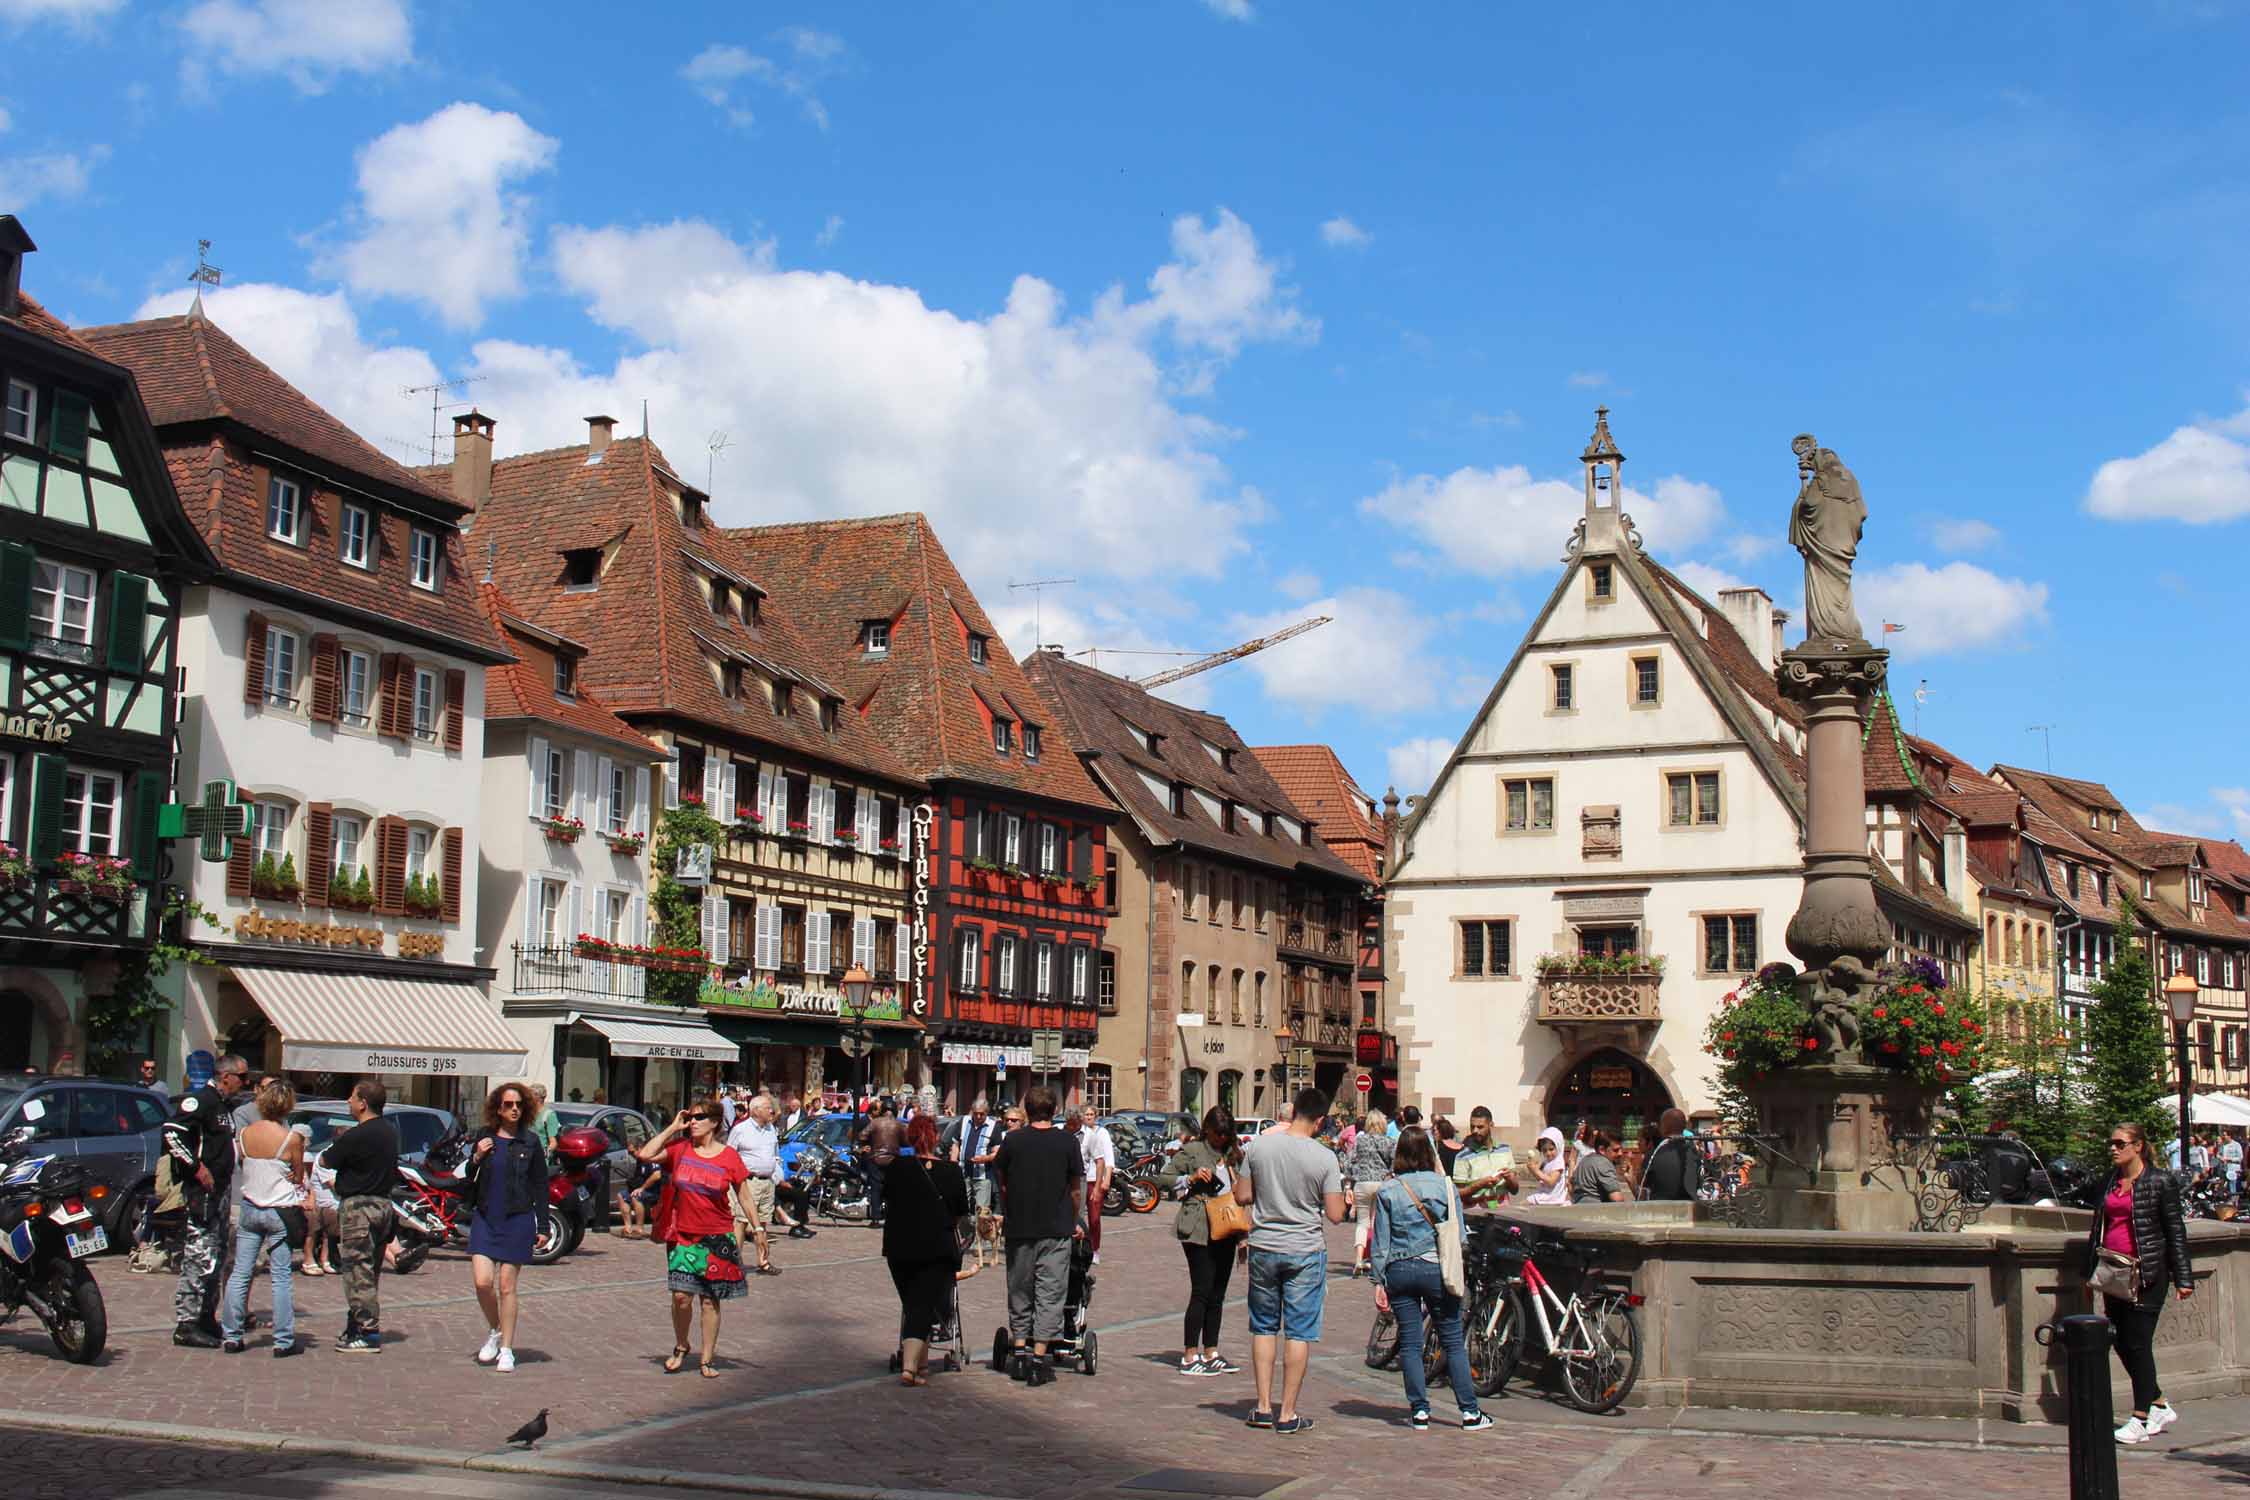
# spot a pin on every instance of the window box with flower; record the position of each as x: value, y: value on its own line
x: 15, y: 869
x: 276, y: 882
x: 97, y: 876
x: 351, y: 892
x: 748, y: 823
x: 423, y: 896
x: 886, y: 848
x: 625, y: 843
x: 563, y: 830
x: 796, y: 831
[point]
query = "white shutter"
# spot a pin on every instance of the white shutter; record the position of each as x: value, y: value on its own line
x: 816, y: 942
x: 863, y: 943
x: 724, y: 812
x: 582, y: 790
x: 639, y: 820
x: 710, y: 920
x: 864, y: 813
x: 573, y: 898
x: 1045, y: 987
x: 532, y: 936
x: 603, y: 767
x: 822, y: 813
x: 672, y: 779
x: 905, y: 968
x: 721, y: 930
x: 637, y: 919
x: 538, y: 796
x: 765, y: 804
x: 710, y: 781
x: 769, y: 935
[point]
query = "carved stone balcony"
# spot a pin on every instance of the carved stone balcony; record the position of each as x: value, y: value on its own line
x: 1600, y: 999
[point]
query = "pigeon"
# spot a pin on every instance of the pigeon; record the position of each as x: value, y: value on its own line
x: 531, y: 1431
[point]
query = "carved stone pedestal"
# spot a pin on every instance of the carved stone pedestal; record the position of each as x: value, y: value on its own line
x: 1836, y: 1122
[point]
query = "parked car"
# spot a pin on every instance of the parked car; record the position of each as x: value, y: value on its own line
x: 111, y: 1127
x: 626, y: 1129
x: 836, y: 1131
x: 419, y: 1126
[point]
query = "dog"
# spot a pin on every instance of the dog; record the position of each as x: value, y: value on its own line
x: 990, y: 1247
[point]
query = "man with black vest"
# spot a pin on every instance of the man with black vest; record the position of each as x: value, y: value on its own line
x: 199, y: 1138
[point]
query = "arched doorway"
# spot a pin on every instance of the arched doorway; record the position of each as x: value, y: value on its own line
x: 1230, y: 1091
x: 1613, y: 1091
x: 1191, y: 1092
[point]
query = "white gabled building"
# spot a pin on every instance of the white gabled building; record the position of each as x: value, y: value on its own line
x: 1632, y: 785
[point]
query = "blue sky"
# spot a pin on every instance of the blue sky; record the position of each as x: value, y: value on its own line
x: 1240, y: 311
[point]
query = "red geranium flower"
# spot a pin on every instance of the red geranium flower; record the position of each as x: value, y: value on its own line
x: 1928, y: 1051
x: 1938, y: 1006
x: 1732, y: 996
x: 1726, y: 1036
x: 1881, y: 1013
x: 1907, y: 1021
x: 1812, y: 1044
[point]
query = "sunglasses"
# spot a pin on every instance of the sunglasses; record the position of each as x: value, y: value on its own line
x: 2120, y: 1145
x: 511, y: 1104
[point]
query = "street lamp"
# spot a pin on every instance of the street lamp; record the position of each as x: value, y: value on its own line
x: 855, y: 1012
x: 2179, y: 994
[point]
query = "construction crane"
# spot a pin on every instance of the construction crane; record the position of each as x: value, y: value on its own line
x: 1232, y: 653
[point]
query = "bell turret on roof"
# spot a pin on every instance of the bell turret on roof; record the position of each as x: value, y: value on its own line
x: 1601, y: 445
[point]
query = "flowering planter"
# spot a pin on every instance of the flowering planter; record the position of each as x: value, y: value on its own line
x: 626, y: 843
x: 93, y: 890
x: 275, y: 891
x: 562, y: 835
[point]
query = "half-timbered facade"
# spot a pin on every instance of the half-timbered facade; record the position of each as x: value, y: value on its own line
x: 334, y: 675
x: 96, y: 556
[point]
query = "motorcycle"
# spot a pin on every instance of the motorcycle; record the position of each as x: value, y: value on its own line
x: 579, y: 1154
x: 832, y: 1186
x: 430, y: 1208
x: 1134, y: 1187
x: 49, y: 1223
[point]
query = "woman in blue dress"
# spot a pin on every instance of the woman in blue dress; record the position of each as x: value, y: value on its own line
x: 507, y: 1174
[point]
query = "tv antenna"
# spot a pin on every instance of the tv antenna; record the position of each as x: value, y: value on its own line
x: 1038, y: 587
x: 1921, y: 696
x: 2046, y: 736
x: 205, y: 274
x: 438, y: 408
x: 714, y: 445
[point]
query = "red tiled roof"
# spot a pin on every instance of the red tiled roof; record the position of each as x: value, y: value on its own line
x: 1730, y: 653
x: 2055, y: 835
x: 926, y: 699
x: 1107, y: 715
x: 1885, y: 761
x: 2061, y: 797
x: 525, y: 687
x: 32, y: 318
x: 651, y: 633
x: 191, y: 371
x: 1313, y: 778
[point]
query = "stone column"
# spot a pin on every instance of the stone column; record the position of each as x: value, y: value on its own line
x: 1837, y: 917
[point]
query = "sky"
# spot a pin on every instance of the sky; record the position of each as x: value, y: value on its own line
x: 1235, y: 313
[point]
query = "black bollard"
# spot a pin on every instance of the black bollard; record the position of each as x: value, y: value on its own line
x: 2093, y: 1442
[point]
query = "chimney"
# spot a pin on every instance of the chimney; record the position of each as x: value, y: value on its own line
x: 472, y: 458
x: 1956, y: 860
x: 598, y: 430
x: 1750, y: 612
x: 1780, y: 618
x: 14, y: 246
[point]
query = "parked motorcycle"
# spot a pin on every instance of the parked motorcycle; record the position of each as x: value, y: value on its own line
x: 431, y: 1206
x: 579, y: 1155
x: 1134, y: 1187
x: 49, y: 1223
x: 832, y: 1185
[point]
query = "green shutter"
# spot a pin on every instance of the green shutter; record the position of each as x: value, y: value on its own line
x: 128, y: 617
x: 148, y: 806
x: 48, y: 773
x: 17, y: 568
x: 66, y: 430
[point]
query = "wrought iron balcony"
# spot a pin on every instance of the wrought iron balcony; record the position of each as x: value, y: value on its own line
x: 73, y: 911
x: 1598, y: 999
x: 559, y: 970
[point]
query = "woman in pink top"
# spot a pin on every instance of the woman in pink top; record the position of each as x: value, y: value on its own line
x: 2141, y: 1217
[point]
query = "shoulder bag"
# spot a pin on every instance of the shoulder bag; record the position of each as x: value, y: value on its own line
x: 1226, y: 1217
x: 1448, y: 1235
x: 2115, y: 1273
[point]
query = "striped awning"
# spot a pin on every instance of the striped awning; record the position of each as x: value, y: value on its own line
x: 689, y: 1040
x: 358, y: 1023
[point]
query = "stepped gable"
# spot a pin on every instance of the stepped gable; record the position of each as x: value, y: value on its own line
x: 928, y: 701
x: 655, y: 644
x: 1313, y: 778
x: 525, y: 687
x: 219, y: 412
x: 1109, y: 719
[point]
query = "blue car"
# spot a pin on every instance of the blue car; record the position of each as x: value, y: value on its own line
x: 835, y: 1131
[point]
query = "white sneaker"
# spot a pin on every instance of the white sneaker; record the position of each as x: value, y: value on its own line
x: 2160, y: 1416
x: 506, y: 1361
x: 2134, y: 1431
x: 491, y: 1349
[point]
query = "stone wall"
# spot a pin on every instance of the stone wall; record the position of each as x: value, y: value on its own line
x: 1897, y: 1324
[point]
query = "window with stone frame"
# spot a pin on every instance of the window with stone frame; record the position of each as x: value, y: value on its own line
x: 1105, y: 982
x: 1730, y: 943
x: 1648, y: 681
x: 1529, y: 804
x: 1692, y: 799
x: 1484, y: 948
x: 1563, y: 684
x: 285, y: 510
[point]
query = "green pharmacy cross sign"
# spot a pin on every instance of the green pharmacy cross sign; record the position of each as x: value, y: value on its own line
x: 218, y: 820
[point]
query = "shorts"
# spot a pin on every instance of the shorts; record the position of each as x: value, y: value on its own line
x: 1287, y: 1293
x: 761, y: 1203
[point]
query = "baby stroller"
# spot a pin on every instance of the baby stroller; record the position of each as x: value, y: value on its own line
x: 1079, y: 1341
x: 945, y: 1333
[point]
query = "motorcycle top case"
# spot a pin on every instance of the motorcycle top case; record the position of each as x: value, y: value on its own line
x: 582, y: 1144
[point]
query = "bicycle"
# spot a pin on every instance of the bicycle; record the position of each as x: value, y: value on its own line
x: 1593, y: 1336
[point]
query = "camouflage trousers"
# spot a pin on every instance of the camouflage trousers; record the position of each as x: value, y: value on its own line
x: 363, y: 1228
x: 204, y: 1254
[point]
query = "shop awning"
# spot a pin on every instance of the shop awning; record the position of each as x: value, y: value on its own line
x: 358, y: 1023
x: 690, y: 1040
x: 774, y: 1031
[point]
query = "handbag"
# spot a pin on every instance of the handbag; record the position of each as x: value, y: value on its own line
x: 2116, y: 1274
x: 1226, y: 1217
x: 1450, y: 1273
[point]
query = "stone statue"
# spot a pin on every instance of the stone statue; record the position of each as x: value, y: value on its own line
x: 1825, y: 525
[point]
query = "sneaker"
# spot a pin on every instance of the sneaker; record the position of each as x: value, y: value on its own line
x: 195, y: 1336
x: 1418, y: 1420
x: 1218, y: 1365
x: 283, y: 1351
x: 2134, y: 1431
x: 801, y: 1233
x: 1259, y: 1418
x: 506, y: 1362
x: 230, y: 1346
x: 1293, y: 1426
x: 1476, y: 1422
x: 491, y: 1349
x: 360, y: 1343
x: 1019, y: 1366
x: 1097, y: 1257
x: 1194, y: 1367
x: 2160, y: 1416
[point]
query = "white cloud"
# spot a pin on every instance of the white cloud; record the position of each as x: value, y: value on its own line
x: 2200, y: 474
x: 2236, y: 800
x: 2174, y: 817
x: 1340, y: 233
x: 7, y: 121
x: 1958, y: 607
x: 1298, y: 585
x: 26, y: 180
x: 1217, y: 292
x: 722, y: 70
x: 71, y: 12
x: 1589, y: 380
x: 442, y: 226
x: 1233, y: 10
x: 1964, y: 534
x: 1501, y: 520
x: 308, y: 42
x: 1370, y: 657
x: 1415, y: 764
x: 830, y: 232
x: 1707, y: 580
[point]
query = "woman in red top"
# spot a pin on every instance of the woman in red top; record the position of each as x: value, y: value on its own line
x: 2141, y: 1221
x: 700, y: 1222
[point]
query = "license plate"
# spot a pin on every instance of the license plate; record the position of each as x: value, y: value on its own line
x: 92, y: 1240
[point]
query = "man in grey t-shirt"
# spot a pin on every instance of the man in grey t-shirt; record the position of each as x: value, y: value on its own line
x: 1293, y: 1186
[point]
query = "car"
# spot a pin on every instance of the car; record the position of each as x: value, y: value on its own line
x: 836, y: 1131
x: 627, y: 1130
x: 112, y: 1127
x: 419, y: 1126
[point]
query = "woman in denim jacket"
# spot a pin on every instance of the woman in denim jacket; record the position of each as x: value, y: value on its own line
x: 1404, y: 1255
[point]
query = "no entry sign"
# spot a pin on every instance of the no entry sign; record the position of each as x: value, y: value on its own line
x: 1365, y: 1083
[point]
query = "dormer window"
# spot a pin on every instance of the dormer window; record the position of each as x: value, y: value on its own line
x: 582, y: 568
x: 722, y: 602
x: 875, y: 637
x: 750, y: 608
x: 23, y: 411
x: 691, y: 511
x: 285, y: 509
x: 2113, y: 822
x: 1226, y: 816
x: 1003, y: 736
x: 1179, y: 800
x: 355, y: 534
x: 566, y: 677
x: 781, y: 699
x: 730, y: 679
x: 423, y: 560
x: 830, y: 710
x: 1030, y: 742
x: 978, y: 656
